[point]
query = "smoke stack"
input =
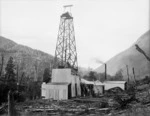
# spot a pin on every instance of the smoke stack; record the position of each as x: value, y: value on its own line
x: 105, y: 71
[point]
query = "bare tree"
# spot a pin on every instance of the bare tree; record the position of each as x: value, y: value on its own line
x: 141, y: 51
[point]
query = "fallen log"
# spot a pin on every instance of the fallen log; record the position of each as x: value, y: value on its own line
x: 3, y: 108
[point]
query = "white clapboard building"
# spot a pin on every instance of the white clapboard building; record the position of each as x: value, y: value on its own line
x: 63, y: 86
x: 112, y: 84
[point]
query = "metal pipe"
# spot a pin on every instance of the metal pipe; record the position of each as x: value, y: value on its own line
x: 105, y: 71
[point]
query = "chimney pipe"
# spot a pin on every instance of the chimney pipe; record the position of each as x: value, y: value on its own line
x: 105, y: 71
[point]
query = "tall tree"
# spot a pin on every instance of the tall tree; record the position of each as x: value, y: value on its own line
x: 10, y: 75
x: 118, y: 76
x: 46, y: 75
x: 92, y: 76
x: 2, y: 60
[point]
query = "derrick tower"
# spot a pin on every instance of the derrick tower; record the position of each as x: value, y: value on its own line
x: 65, y: 53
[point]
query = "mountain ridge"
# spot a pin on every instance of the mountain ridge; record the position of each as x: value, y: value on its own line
x: 132, y: 58
x: 27, y: 58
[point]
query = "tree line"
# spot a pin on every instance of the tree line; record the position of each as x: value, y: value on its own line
x: 93, y: 76
x: 24, y: 87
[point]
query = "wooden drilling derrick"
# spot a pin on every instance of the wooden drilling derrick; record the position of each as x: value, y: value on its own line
x: 65, y: 53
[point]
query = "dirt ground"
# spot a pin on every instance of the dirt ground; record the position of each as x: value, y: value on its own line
x: 115, y: 102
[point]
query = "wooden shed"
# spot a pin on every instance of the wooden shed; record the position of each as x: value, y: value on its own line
x: 112, y: 84
x: 56, y: 91
x: 98, y: 87
x: 64, y: 85
x: 65, y: 76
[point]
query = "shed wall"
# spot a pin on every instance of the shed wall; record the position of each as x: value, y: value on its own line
x: 61, y: 75
x: 112, y: 85
x: 64, y: 76
x: 99, y: 89
x: 56, y: 92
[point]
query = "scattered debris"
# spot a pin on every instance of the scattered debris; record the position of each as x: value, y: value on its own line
x: 114, y: 101
x: 3, y: 108
x: 114, y: 91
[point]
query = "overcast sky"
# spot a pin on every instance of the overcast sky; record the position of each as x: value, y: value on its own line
x: 103, y: 28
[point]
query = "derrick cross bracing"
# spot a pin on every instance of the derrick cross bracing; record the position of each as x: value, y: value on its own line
x: 65, y: 53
